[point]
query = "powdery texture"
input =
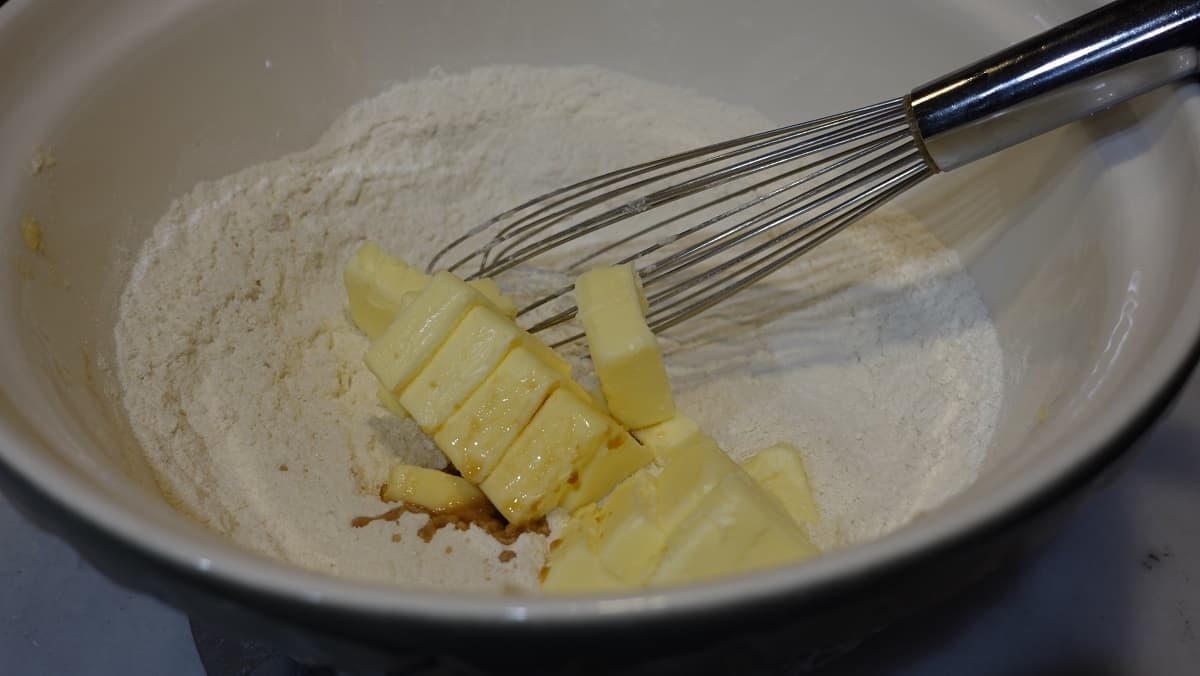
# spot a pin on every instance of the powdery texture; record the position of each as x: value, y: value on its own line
x: 237, y: 357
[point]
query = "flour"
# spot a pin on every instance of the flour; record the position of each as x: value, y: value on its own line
x: 238, y: 360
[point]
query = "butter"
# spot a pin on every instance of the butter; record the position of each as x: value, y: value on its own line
x: 468, y: 356
x: 598, y: 398
x: 720, y: 537
x: 431, y: 489
x: 503, y: 408
x: 615, y: 460
x: 376, y: 283
x: 390, y: 402
x: 631, y: 541
x: 546, y: 457
x: 502, y: 303
x: 689, y: 471
x: 668, y: 435
x: 547, y: 354
x: 779, y: 469
x: 378, y: 286
x: 624, y: 351
x: 420, y: 329
x: 31, y: 234
x: 776, y: 547
x: 700, y: 516
x: 572, y: 565
x: 478, y: 434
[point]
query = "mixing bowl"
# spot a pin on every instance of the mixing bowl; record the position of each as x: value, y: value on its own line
x: 1083, y: 244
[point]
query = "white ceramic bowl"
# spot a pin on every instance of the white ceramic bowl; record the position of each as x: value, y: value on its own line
x: 1083, y: 243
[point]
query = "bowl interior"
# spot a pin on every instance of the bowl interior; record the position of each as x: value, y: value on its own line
x: 1082, y: 242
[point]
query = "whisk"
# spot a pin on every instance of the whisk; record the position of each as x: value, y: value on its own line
x: 702, y: 225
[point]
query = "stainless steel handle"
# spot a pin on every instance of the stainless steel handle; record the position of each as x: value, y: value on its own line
x: 1086, y: 65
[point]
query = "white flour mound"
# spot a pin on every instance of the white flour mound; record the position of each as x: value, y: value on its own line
x: 874, y: 354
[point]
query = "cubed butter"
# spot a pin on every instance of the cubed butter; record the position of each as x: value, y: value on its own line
x: 431, y: 489
x: 500, y: 301
x: 668, y: 435
x: 776, y: 547
x: 631, y: 542
x: 615, y: 460
x: 624, y: 351
x: 376, y: 283
x: 468, y: 356
x: 546, y: 457
x: 779, y: 469
x: 420, y: 329
x: 572, y: 564
x: 701, y: 516
x: 689, y: 471
x: 715, y: 539
x: 477, y: 435
x: 598, y: 397
x: 390, y: 402
x: 548, y: 355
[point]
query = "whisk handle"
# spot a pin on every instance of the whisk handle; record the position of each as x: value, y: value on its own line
x: 1081, y: 67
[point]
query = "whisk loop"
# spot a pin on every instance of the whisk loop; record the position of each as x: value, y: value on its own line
x: 743, y: 209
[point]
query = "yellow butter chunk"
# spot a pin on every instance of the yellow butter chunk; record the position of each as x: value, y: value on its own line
x: 468, y: 356
x: 776, y: 547
x: 548, y: 355
x: 546, y: 457
x: 699, y: 516
x: 390, y: 402
x: 502, y: 303
x: 420, y: 329
x: 719, y: 537
x: 431, y: 489
x: 691, y: 463
x: 572, y: 564
x: 598, y: 398
x: 615, y: 460
x: 376, y: 284
x: 631, y: 541
x: 689, y: 471
x: 624, y: 351
x: 779, y: 469
x: 668, y: 435
x: 31, y: 233
x: 478, y: 434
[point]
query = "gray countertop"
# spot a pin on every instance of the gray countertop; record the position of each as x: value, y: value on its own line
x: 1115, y: 593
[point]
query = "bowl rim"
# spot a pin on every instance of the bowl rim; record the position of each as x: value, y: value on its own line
x: 1148, y: 393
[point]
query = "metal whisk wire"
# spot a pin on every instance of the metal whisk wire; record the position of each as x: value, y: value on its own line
x: 547, y: 210
x: 656, y: 270
x: 834, y: 134
x: 825, y: 168
x: 687, y: 297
